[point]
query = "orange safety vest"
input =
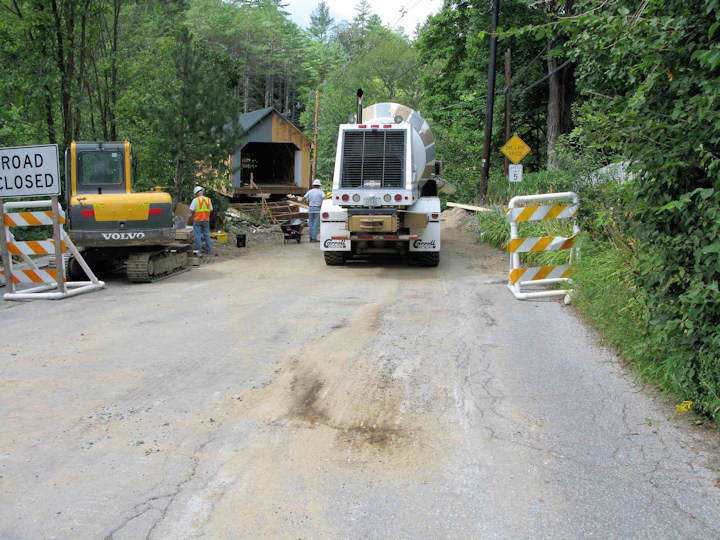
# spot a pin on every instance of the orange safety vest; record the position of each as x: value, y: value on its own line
x: 202, y: 209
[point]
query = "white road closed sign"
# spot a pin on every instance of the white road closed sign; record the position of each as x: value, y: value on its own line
x: 26, y: 171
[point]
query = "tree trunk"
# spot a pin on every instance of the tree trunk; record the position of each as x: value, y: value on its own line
x: 268, y: 90
x: 560, y: 97
x: 66, y: 64
x: 81, y: 69
x: 49, y: 116
x: 286, y: 110
x: 553, y: 116
x: 117, y: 5
x: 179, y: 168
x: 246, y: 91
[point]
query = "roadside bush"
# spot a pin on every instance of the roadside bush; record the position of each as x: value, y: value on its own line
x: 609, y: 299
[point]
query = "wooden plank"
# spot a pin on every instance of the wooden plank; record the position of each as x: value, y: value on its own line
x: 468, y: 207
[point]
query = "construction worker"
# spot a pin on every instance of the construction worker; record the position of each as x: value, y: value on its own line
x: 201, y: 207
x: 314, y: 197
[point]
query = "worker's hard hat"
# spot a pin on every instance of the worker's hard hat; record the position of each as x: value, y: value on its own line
x: 197, y: 188
x: 317, y: 182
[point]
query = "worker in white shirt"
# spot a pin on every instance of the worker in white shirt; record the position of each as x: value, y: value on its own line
x: 314, y: 197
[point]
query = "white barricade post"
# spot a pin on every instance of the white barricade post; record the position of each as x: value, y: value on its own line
x: 520, y: 276
x: 29, y: 171
x: 57, y: 246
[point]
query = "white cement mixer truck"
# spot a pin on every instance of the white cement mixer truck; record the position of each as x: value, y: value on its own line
x: 384, y: 197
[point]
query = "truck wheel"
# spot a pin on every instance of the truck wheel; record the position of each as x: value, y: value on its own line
x: 428, y: 258
x: 334, y: 258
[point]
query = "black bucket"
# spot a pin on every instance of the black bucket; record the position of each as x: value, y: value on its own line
x: 240, y: 239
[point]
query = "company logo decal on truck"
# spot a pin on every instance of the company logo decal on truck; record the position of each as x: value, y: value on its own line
x: 421, y: 244
x: 336, y: 244
x: 124, y: 236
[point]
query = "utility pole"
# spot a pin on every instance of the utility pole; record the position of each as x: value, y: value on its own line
x: 483, y: 185
x: 314, y: 168
x: 507, y: 105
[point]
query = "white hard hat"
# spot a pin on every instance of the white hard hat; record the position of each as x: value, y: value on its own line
x: 197, y: 188
x: 317, y: 182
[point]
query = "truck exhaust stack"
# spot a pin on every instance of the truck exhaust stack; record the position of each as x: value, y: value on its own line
x: 359, y: 105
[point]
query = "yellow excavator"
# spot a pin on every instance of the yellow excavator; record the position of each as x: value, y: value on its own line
x: 118, y: 229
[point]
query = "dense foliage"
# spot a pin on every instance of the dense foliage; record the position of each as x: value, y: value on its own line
x: 168, y: 76
x: 650, y: 71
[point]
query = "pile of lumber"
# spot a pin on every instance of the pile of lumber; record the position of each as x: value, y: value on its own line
x: 277, y: 210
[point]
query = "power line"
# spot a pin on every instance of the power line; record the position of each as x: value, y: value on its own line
x: 533, y: 85
x: 530, y: 63
x: 404, y: 11
x: 458, y: 104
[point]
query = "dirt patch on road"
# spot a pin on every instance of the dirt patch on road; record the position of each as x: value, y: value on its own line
x: 336, y: 383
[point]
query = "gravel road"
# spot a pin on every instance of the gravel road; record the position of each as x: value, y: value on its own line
x: 267, y: 395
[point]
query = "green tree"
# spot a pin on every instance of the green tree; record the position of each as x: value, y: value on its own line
x: 321, y: 22
x: 453, y: 51
x: 387, y: 70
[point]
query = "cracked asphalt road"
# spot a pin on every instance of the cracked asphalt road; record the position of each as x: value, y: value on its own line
x: 270, y: 396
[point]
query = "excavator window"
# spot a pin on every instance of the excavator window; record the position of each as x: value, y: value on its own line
x: 100, y: 168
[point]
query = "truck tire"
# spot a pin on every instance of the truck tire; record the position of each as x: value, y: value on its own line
x: 334, y: 258
x: 427, y: 258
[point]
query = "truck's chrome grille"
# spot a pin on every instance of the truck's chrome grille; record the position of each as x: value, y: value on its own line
x: 373, y: 159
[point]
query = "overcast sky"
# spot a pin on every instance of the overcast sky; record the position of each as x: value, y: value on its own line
x: 390, y: 11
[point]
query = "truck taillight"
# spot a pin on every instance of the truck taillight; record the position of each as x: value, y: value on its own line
x: 346, y: 197
x: 398, y: 197
x: 435, y: 216
x: 362, y: 125
x: 387, y: 125
x: 325, y: 215
x: 156, y: 211
x: 87, y: 213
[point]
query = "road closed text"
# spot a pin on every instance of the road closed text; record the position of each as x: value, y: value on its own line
x: 29, y: 171
x: 29, y: 181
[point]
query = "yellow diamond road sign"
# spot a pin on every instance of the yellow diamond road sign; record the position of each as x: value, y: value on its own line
x: 515, y: 149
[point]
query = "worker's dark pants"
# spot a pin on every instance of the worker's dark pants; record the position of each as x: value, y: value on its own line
x: 202, y: 232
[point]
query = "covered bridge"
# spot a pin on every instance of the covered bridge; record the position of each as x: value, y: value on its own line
x: 274, y: 156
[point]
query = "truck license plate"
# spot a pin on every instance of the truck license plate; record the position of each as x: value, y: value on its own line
x: 371, y: 201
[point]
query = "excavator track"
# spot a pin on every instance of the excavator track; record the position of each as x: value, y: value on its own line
x: 148, y: 266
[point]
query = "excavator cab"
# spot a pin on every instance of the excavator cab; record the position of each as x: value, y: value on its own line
x: 102, y: 170
x: 104, y: 210
x: 118, y: 227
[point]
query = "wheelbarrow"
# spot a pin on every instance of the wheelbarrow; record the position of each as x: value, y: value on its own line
x: 292, y: 229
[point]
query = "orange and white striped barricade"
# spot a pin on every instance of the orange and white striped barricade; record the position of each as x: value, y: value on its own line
x: 565, y: 206
x: 60, y: 244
